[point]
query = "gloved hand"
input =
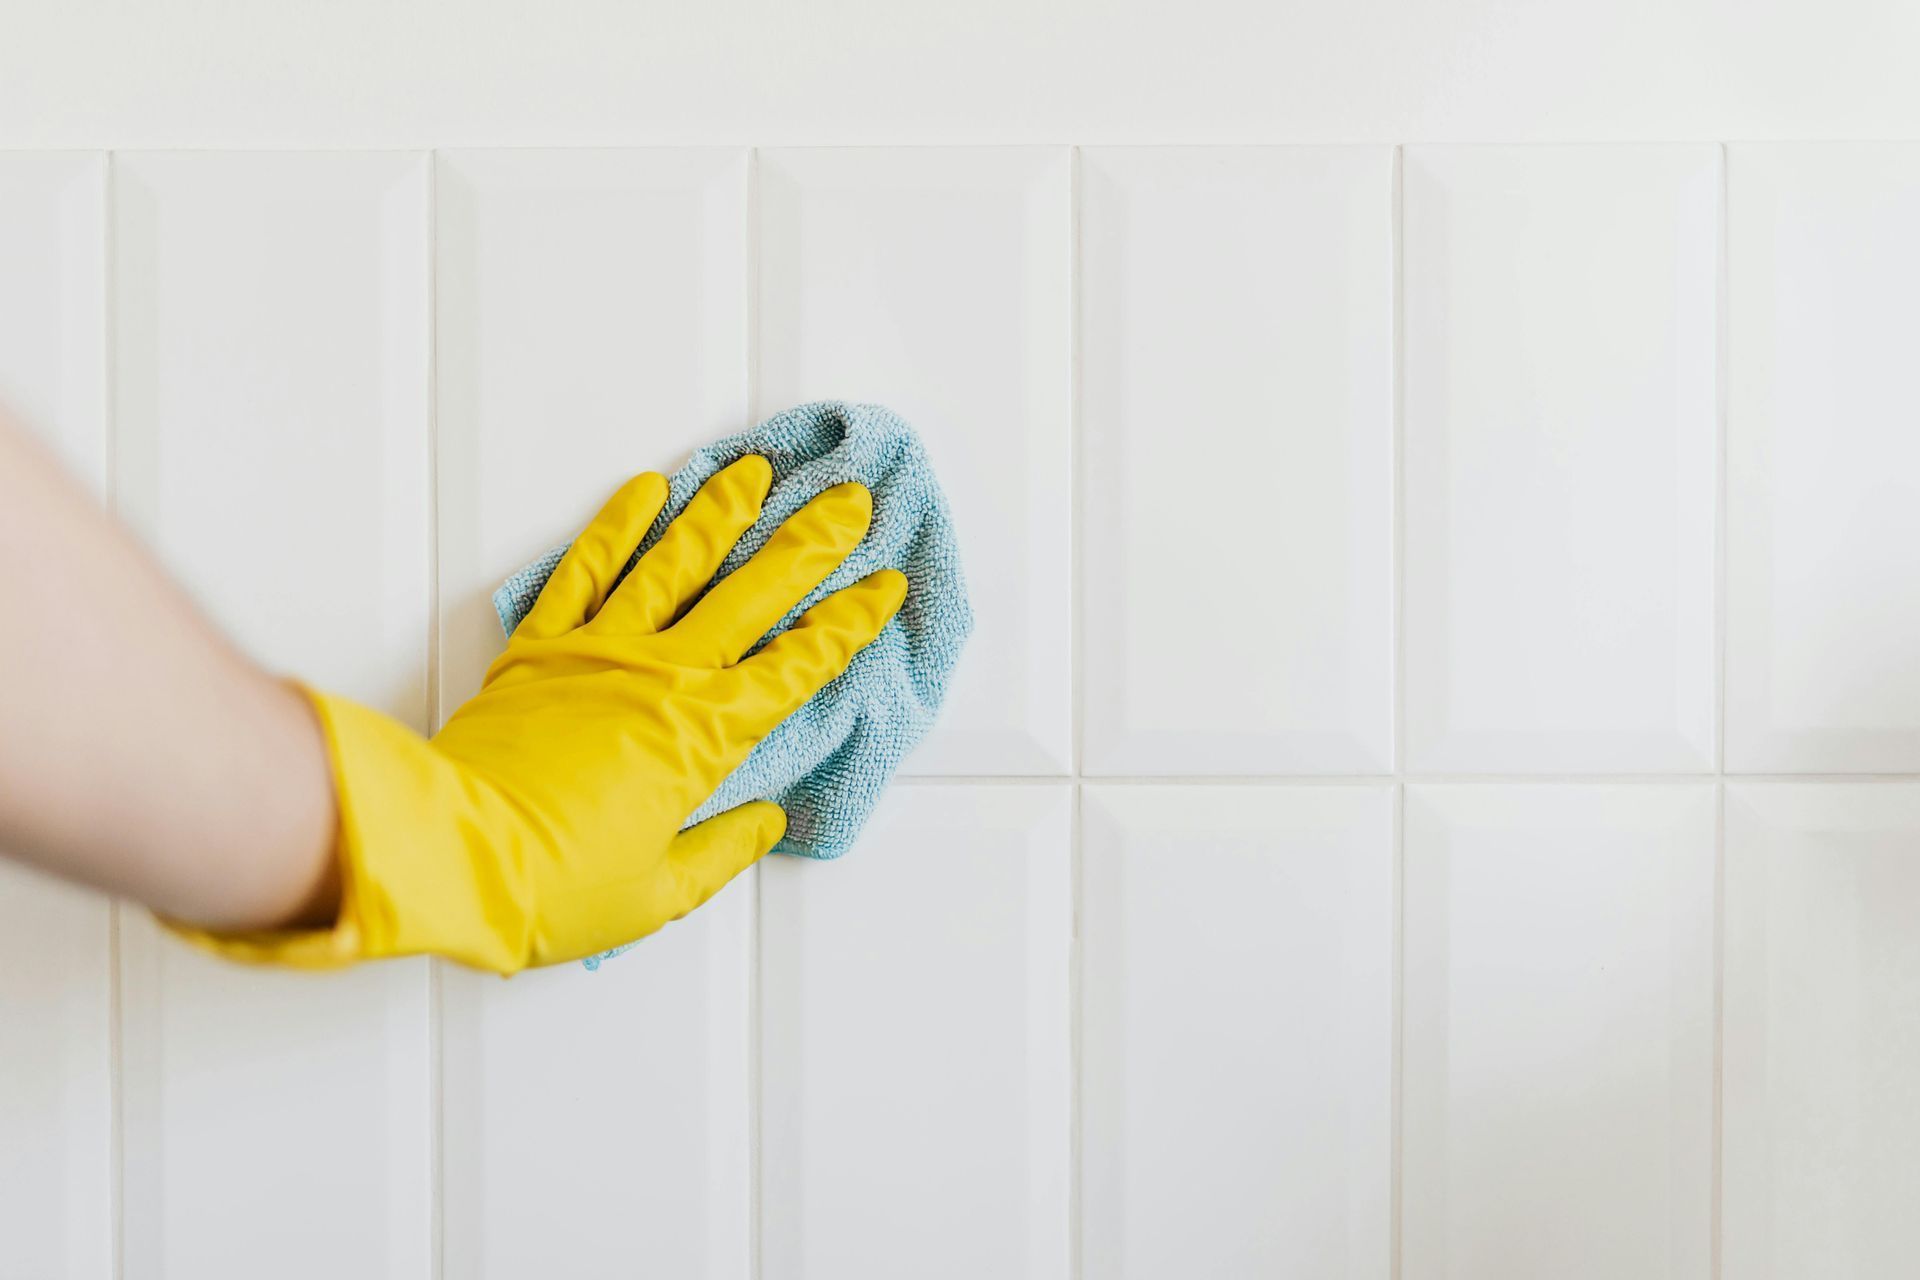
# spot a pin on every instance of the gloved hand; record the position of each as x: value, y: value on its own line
x: 542, y: 824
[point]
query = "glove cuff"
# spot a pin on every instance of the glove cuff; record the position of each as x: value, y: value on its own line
x: 418, y: 871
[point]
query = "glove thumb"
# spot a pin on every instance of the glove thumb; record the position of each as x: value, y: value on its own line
x: 705, y: 857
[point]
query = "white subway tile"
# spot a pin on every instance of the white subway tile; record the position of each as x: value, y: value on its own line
x: 1822, y: 1030
x: 1557, y: 1044
x: 936, y: 281
x: 56, y: 1064
x: 1560, y: 436
x: 1823, y: 547
x: 272, y: 404
x: 56, y: 1145
x: 53, y: 303
x: 1238, y: 1031
x: 597, y: 1123
x: 1237, y: 408
x: 592, y: 325
x: 915, y: 1043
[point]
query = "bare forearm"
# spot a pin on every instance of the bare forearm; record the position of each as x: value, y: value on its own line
x: 139, y: 752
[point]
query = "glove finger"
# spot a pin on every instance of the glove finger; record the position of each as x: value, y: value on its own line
x: 683, y: 562
x: 703, y: 859
x: 744, y: 605
x: 800, y: 661
x: 587, y: 572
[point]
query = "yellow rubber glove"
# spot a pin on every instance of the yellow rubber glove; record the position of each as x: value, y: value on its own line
x: 542, y: 824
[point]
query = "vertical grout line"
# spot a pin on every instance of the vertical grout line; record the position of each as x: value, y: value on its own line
x: 110, y: 485
x: 1719, y: 987
x: 1397, y: 235
x: 1721, y: 374
x: 754, y: 1100
x: 116, y: 1099
x: 110, y: 335
x: 1076, y: 633
x: 1076, y: 1033
x: 433, y: 440
x: 436, y: 1092
x: 1397, y: 443
x: 1076, y: 629
x: 1398, y: 914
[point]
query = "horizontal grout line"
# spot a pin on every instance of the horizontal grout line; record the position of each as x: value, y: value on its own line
x: 1889, y: 778
x: 425, y: 146
x: 1383, y: 779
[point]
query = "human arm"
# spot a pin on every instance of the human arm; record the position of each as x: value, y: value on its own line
x: 274, y: 823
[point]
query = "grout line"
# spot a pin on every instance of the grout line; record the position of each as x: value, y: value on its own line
x: 1719, y: 930
x: 433, y: 440
x: 1720, y: 529
x: 1342, y: 779
x: 1398, y: 545
x: 1559, y: 779
x: 1076, y: 1038
x: 1857, y: 779
x: 1409, y: 779
x: 1397, y: 750
x: 1396, y: 1165
x: 1076, y: 637
x: 110, y: 484
x: 755, y: 1099
x: 1076, y: 470
x: 436, y: 1066
x: 1722, y: 350
x: 1118, y: 780
x: 116, y: 1097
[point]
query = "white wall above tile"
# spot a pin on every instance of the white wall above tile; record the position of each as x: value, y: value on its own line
x: 1823, y: 459
x: 1236, y: 312
x: 1560, y: 312
x: 369, y: 73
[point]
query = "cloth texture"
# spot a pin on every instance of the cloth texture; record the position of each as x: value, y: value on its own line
x: 827, y: 763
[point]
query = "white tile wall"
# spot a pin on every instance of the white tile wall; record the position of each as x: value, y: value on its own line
x: 1237, y: 410
x: 1237, y: 1080
x: 592, y: 322
x: 1557, y: 1062
x: 271, y: 382
x: 1561, y: 436
x: 56, y: 1156
x: 53, y: 283
x: 1822, y: 991
x: 1823, y: 461
x: 1140, y: 976
x: 915, y: 1042
x: 592, y: 1122
x: 938, y: 283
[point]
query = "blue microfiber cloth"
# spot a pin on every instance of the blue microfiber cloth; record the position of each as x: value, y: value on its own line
x: 827, y: 763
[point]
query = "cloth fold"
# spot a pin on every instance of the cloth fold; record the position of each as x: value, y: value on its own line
x: 827, y: 763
